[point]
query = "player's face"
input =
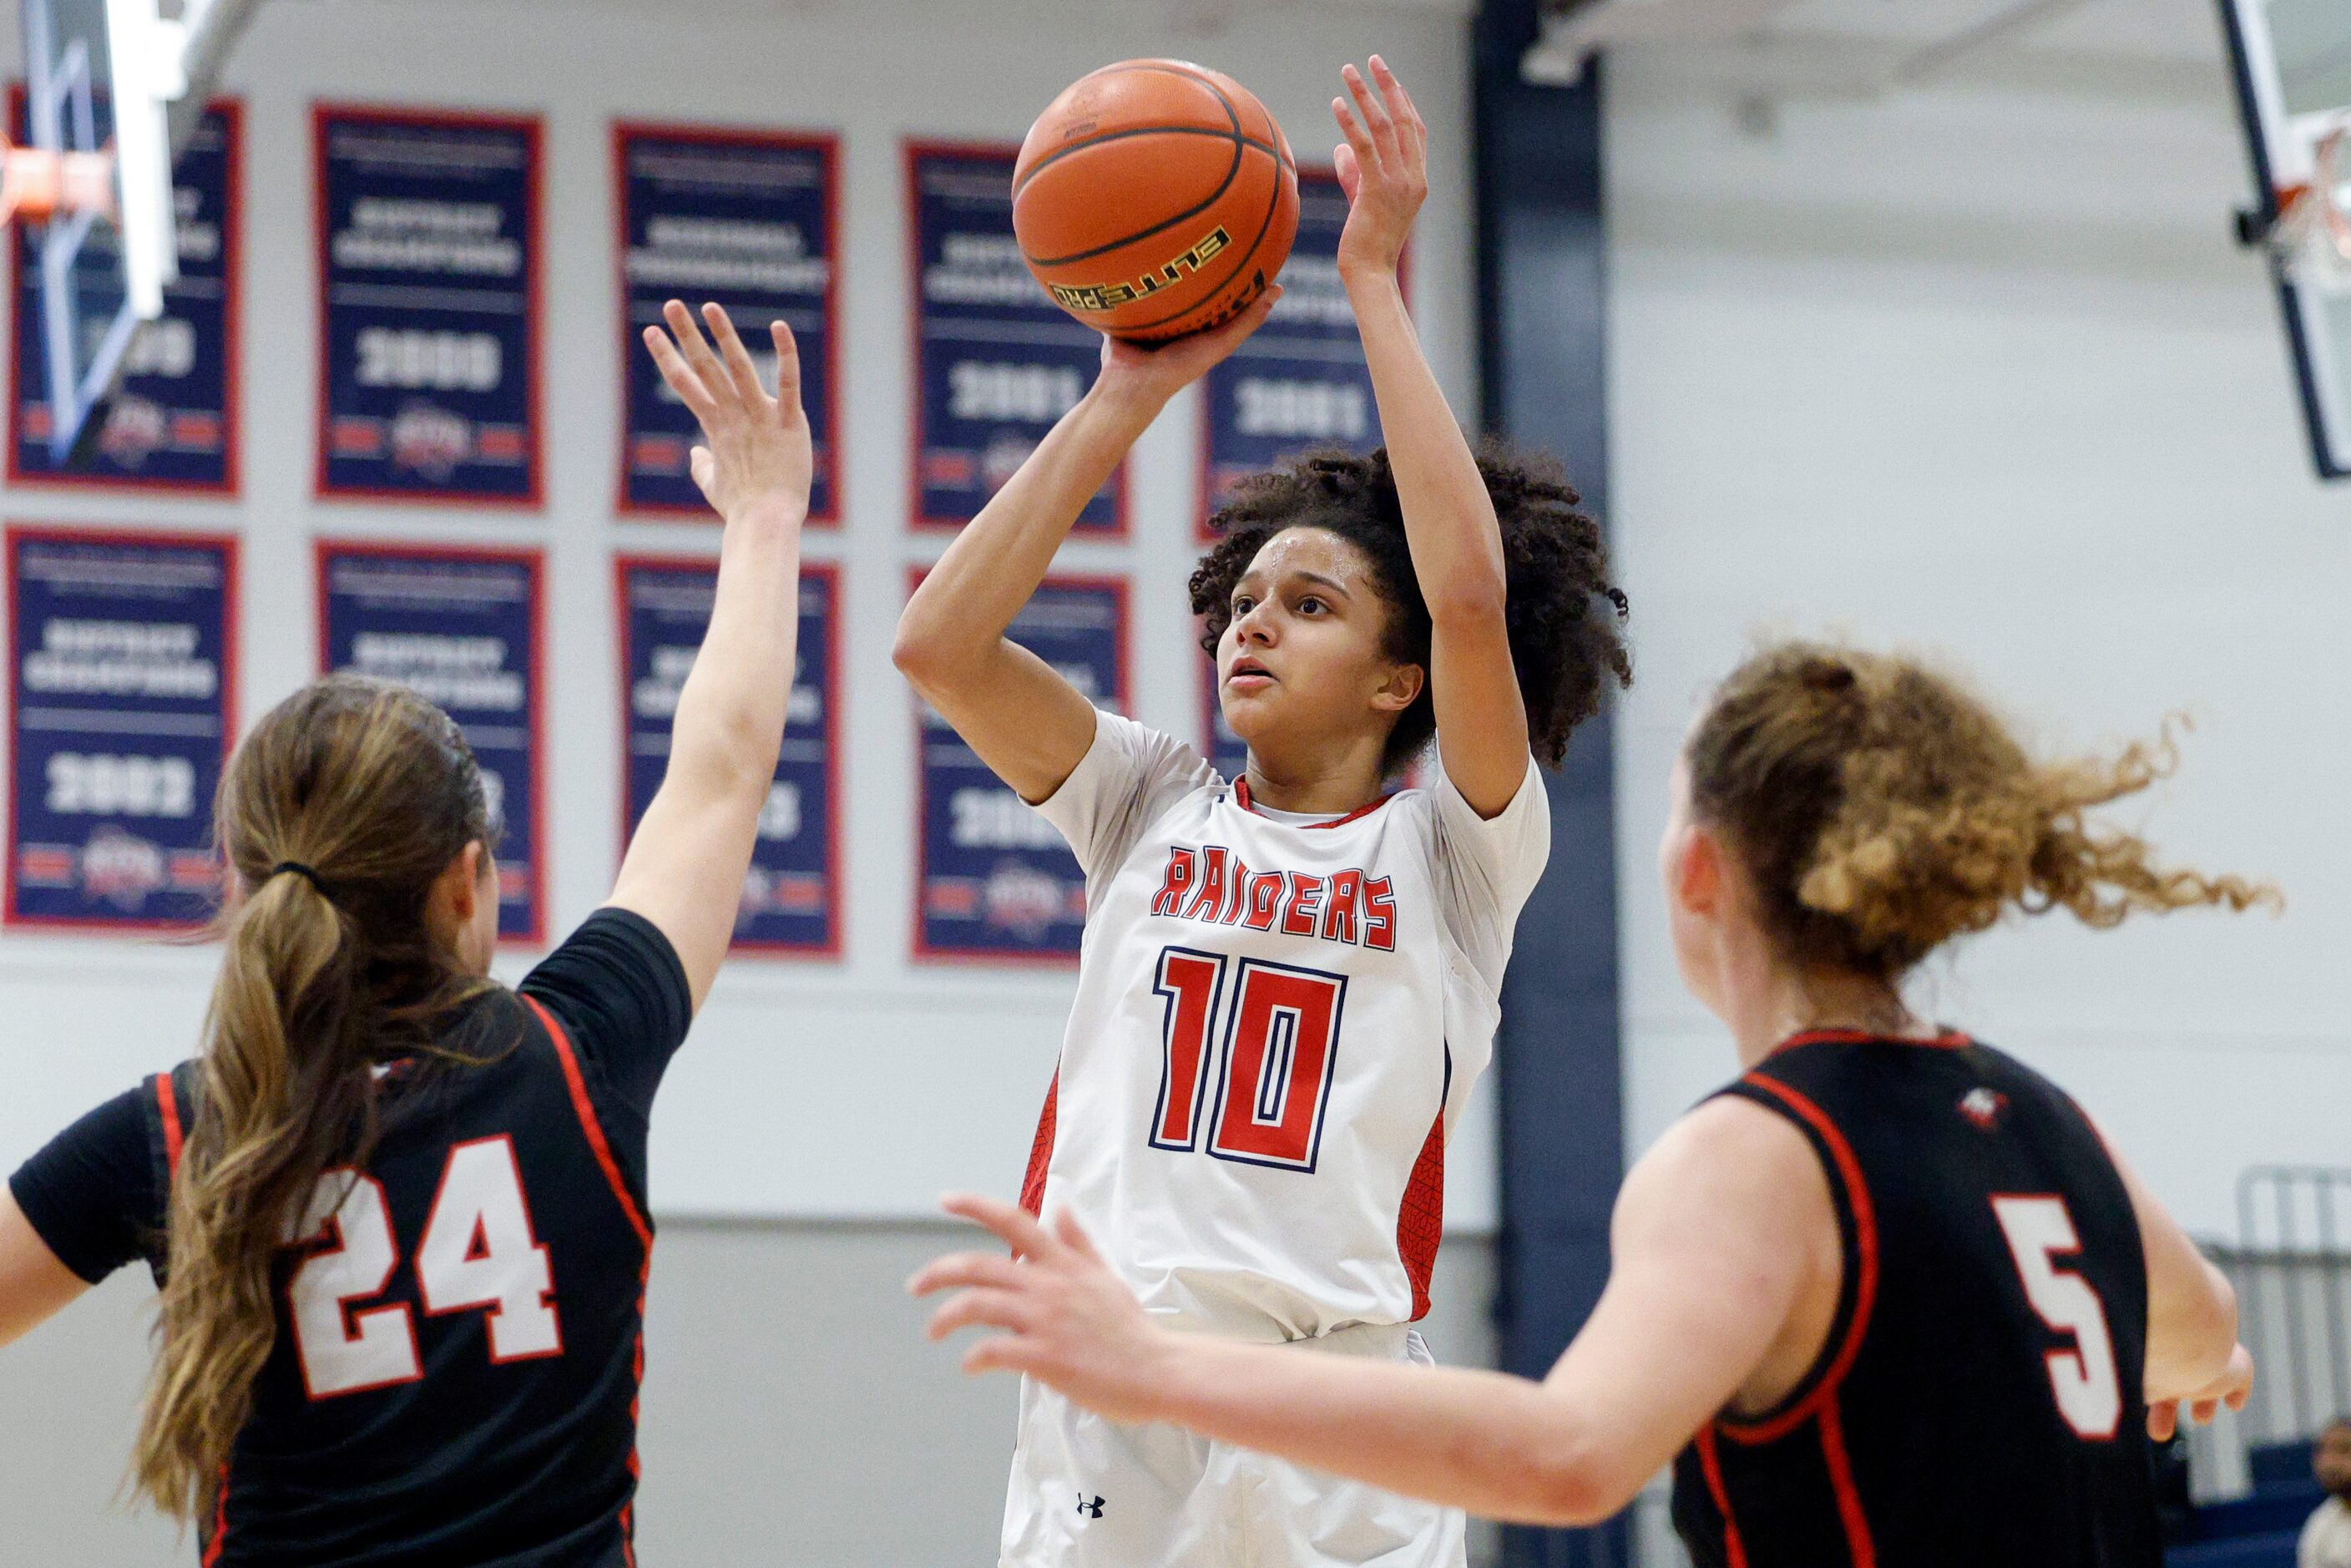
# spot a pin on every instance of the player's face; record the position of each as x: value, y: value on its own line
x: 1302, y: 661
x: 2330, y: 1460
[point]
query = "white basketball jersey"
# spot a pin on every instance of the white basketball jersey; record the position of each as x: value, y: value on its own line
x: 1276, y: 1023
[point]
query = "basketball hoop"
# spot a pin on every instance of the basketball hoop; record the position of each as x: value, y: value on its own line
x: 2312, y: 237
x: 36, y: 184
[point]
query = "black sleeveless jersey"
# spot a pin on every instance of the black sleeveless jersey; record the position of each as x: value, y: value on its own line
x: 458, y: 1344
x: 1979, y: 1399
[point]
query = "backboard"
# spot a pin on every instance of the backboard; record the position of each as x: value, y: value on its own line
x: 97, y: 79
x: 2292, y: 68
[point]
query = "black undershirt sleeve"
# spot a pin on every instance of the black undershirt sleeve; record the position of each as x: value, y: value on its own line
x: 617, y: 987
x: 92, y: 1193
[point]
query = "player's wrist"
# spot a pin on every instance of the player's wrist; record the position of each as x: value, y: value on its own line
x: 779, y: 508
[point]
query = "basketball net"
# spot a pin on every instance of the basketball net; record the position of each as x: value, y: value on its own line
x: 2311, y: 239
x: 36, y: 184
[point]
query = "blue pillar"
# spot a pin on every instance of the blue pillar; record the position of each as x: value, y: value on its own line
x: 1542, y: 273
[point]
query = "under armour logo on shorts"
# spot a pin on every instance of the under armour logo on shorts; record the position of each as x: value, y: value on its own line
x: 1089, y: 1510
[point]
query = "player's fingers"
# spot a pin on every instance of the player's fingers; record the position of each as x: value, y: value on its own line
x: 2162, y: 1421
x: 691, y: 343
x: 980, y: 1309
x: 959, y: 1268
x: 2237, y: 1396
x: 1358, y: 140
x: 1015, y: 1226
x: 1375, y: 116
x: 1000, y: 1353
x: 1411, y: 115
x: 677, y: 372
x: 737, y: 359
x: 788, y: 365
x: 1396, y: 100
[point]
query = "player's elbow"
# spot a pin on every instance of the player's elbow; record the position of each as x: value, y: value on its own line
x: 1574, y: 1478
x: 924, y: 651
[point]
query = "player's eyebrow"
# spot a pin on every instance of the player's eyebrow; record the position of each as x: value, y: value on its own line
x: 1332, y: 583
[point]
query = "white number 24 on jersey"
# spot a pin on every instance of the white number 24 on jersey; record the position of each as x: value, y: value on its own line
x: 2083, y: 1379
x: 478, y: 1251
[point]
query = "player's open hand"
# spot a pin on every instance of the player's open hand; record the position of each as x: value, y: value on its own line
x: 1159, y: 372
x: 754, y: 448
x: 2229, y: 1388
x: 1382, y: 168
x: 1068, y: 1321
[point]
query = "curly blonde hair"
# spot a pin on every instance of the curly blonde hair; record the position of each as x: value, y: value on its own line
x: 1881, y: 809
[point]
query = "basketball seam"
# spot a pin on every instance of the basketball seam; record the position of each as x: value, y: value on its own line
x: 1272, y: 205
x: 1231, y: 113
x: 1241, y: 151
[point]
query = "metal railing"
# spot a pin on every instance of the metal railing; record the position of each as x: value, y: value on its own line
x: 2291, y: 1265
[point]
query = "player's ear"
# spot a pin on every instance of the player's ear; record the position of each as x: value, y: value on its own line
x: 1699, y: 866
x: 1400, y: 689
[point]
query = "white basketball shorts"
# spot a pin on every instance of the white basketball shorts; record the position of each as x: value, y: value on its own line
x: 1088, y: 1493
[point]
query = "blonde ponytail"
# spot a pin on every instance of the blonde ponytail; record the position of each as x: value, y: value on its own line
x: 328, y: 968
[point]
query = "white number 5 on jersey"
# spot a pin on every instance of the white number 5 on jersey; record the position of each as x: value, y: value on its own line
x: 2083, y: 1379
x: 477, y: 1252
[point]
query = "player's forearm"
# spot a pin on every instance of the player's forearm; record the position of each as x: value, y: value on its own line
x: 2191, y: 1330
x: 1484, y: 1441
x: 964, y: 602
x: 729, y: 724
x: 1448, y: 520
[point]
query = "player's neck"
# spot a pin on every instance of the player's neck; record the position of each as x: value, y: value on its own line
x: 1781, y: 1002
x: 1329, y: 785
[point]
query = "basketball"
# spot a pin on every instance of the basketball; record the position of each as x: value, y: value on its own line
x: 1154, y: 198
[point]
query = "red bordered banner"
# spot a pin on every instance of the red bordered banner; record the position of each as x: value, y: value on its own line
x: 791, y: 902
x: 1300, y: 381
x: 993, y: 362
x: 994, y: 883
x: 466, y: 628
x: 173, y: 426
x: 750, y: 219
x: 121, y: 713
x: 428, y: 311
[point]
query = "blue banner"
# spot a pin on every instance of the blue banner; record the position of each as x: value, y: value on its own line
x: 792, y: 896
x: 996, y: 881
x: 173, y: 421
x: 428, y: 315
x: 995, y: 360
x: 748, y: 219
x: 1299, y: 381
x: 120, y: 694
x: 461, y: 628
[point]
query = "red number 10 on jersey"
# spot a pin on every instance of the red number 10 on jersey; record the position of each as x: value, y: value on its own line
x: 1273, y: 1043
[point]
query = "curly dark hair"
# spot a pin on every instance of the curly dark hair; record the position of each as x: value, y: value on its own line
x: 1565, y: 615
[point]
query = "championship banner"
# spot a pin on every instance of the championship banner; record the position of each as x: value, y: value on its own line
x: 792, y: 896
x: 996, y: 880
x: 749, y: 219
x: 463, y: 627
x: 995, y: 362
x: 428, y: 312
x: 1300, y: 381
x: 121, y: 709
x: 172, y: 424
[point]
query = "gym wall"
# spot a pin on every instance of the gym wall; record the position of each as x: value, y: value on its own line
x: 1980, y: 369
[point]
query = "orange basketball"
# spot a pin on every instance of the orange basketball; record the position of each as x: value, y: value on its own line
x: 1154, y: 198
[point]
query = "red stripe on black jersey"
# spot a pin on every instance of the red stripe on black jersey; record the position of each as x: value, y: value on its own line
x: 1931, y: 1433
x: 167, y: 1104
